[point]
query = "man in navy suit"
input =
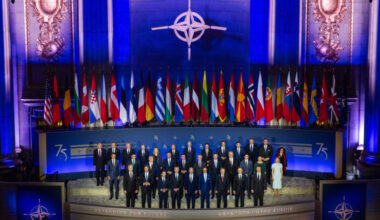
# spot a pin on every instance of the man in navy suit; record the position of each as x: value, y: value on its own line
x: 266, y: 152
x: 215, y: 166
x: 163, y: 187
x: 143, y: 156
x: 247, y: 167
x: 113, y: 150
x: 258, y: 186
x: 240, y: 188
x: 205, y: 187
x: 176, y: 185
x: 155, y: 172
x: 135, y: 164
x: 231, y: 168
x: 169, y: 164
x: 222, y: 188
x: 252, y: 150
x: 207, y: 154
x: 183, y: 164
x: 131, y: 186
x: 146, y: 181
x: 99, y: 161
x: 175, y: 152
x: 190, y: 153
x: 222, y: 152
x: 127, y: 154
x: 113, y: 175
x: 191, y: 186
x: 198, y: 166
x: 239, y: 152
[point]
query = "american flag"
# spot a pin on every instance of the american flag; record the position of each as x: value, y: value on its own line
x: 48, y: 113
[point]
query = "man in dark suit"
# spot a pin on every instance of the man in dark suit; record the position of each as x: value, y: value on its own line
x: 238, y: 152
x: 266, y: 152
x: 155, y: 172
x: 199, y: 165
x: 247, y: 167
x: 175, y: 153
x: 176, y: 185
x: 240, y: 188
x: 231, y: 168
x: 222, y: 152
x: 222, y: 188
x: 252, y: 150
x: 135, y: 164
x: 205, y: 187
x: 190, y: 153
x: 113, y: 150
x: 191, y: 187
x: 168, y: 165
x: 163, y: 187
x: 215, y: 166
x: 127, y: 154
x: 258, y: 186
x: 131, y: 186
x: 99, y: 161
x: 146, y: 181
x: 143, y: 156
x: 113, y: 175
x: 183, y: 165
x: 207, y: 154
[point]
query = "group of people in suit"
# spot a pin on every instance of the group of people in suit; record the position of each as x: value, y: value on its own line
x: 239, y: 172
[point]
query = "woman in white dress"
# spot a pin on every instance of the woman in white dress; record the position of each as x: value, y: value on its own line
x: 277, y: 176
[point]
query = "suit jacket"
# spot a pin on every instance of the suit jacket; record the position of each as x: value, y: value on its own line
x: 252, y: 154
x: 240, y: 185
x: 175, y: 156
x: 163, y: 185
x: 222, y: 186
x: 154, y: 171
x: 204, y: 185
x: 239, y: 157
x: 183, y: 167
x: 191, y: 187
x: 158, y: 160
x: 113, y: 171
x: 143, y: 159
x: 130, y: 184
x: 117, y: 152
x: 215, y: 170
x: 267, y: 153
x: 224, y: 154
x: 247, y: 169
x: 207, y: 157
x: 231, y: 169
x: 144, y: 180
x: 258, y: 185
x: 190, y: 156
x: 136, y: 167
x: 174, y: 183
x: 169, y: 167
x: 197, y: 169
x: 125, y: 156
x: 99, y: 162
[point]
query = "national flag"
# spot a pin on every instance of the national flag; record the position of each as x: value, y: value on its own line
x: 114, y: 106
x: 333, y: 104
x: 260, y: 114
x: 67, y: 109
x: 240, y: 101
x: 132, y: 117
x: 323, y: 103
x: 123, y: 102
x: 221, y: 99
x: 76, y: 100
x: 231, y: 98
x: 103, y: 102
x: 48, y: 114
x: 186, y: 101
x: 160, y: 104
x: 178, y: 114
x: 94, y: 106
x: 251, y: 100
x: 279, y: 99
x: 149, y: 104
x: 141, y: 102
x: 296, y: 111
x: 214, y: 100
x: 56, y: 109
x: 268, y: 103
x: 313, y: 113
x: 305, y: 103
x: 204, y: 105
x: 84, y: 111
x: 195, y: 101
x: 168, y: 101
x: 287, y: 113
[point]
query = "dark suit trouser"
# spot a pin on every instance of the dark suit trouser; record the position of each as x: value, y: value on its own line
x: 112, y: 182
x: 130, y: 199
x: 213, y: 183
x: 258, y: 196
x: 231, y: 179
x: 248, y: 185
x: 146, y: 194
x: 219, y: 197
x: 205, y: 196
x: 190, y: 197
x: 241, y: 197
x: 154, y: 188
x: 176, y: 198
x: 163, y: 198
x: 99, y: 173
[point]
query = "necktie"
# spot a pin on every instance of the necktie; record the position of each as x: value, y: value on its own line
x: 183, y: 163
x: 130, y: 175
x: 216, y: 163
x: 258, y: 176
x: 238, y: 150
x: 239, y: 177
x: 169, y: 162
x: 146, y: 176
x: 206, y: 152
x: 191, y: 178
x: 150, y: 164
x: 246, y: 163
x: 133, y: 162
x: 222, y: 150
x: 222, y: 178
x: 128, y: 151
x: 265, y: 148
x: 100, y: 153
x: 113, y: 150
x: 142, y: 153
x: 113, y: 162
x: 205, y: 177
x: 176, y: 177
x: 231, y: 162
x: 251, y: 148
x: 163, y: 180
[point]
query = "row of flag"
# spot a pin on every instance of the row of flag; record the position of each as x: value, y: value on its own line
x: 253, y: 107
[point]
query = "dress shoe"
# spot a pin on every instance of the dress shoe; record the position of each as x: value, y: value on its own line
x: 111, y: 197
x: 117, y: 198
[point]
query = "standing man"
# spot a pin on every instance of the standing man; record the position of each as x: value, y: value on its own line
x: 146, y: 181
x: 99, y: 161
x: 190, y: 153
x: 205, y: 186
x: 163, y: 187
x: 113, y: 175
x: 191, y: 186
x: 168, y: 165
x: 266, y: 152
x: 175, y: 153
x: 247, y: 167
x: 207, y: 154
x: 127, y: 154
x: 252, y: 150
x: 176, y: 185
x: 231, y: 169
x: 258, y: 186
x: 240, y: 188
x: 143, y: 156
x: 135, y: 165
x: 113, y: 150
x: 214, y: 171
x: 222, y: 152
x: 199, y: 165
x: 239, y: 152
x: 131, y: 186
x: 222, y: 188
x: 155, y: 172
x: 183, y: 165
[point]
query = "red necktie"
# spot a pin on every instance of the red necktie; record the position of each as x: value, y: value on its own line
x: 222, y: 178
x: 99, y: 153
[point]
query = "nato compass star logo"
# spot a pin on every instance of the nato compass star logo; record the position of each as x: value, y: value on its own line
x: 39, y: 212
x: 189, y: 27
x: 343, y: 211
